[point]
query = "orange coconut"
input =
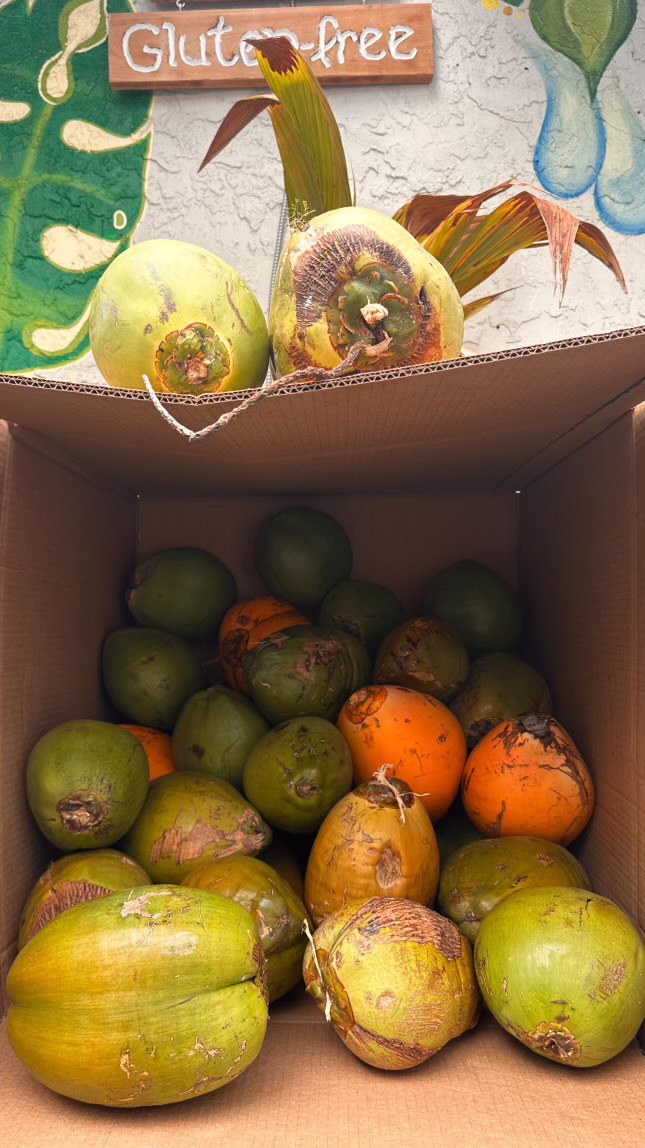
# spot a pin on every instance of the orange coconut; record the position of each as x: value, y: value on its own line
x: 158, y: 747
x: 414, y: 734
x: 248, y: 623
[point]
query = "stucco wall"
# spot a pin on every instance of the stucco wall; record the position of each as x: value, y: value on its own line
x: 475, y: 125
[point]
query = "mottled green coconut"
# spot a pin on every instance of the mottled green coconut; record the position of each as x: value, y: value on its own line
x: 180, y: 315
x: 482, y: 873
x: 188, y: 818
x: 395, y: 979
x: 277, y: 911
x: 360, y: 663
x: 424, y: 655
x: 563, y: 971
x: 478, y: 604
x: 74, y: 879
x: 300, y: 672
x: 185, y: 591
x: 215, y: 733
x: 300, y: 553
x: 149, y: 675
x: 365, y: 610
x: 86, y: 782
x: 297, y: 772
x: 499, y: 686
x: 153, y: 995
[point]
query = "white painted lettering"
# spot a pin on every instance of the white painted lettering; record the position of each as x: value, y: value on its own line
x: 370, y: 36
x: 145, y: 50
x: 324, y: 45
x: 172, y: 43
x: 399, y: 33
x: 343, y: 37
x: 202, y: 61
x: 220, y: 30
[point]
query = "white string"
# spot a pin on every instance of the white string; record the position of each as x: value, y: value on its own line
x: 307, y: 931
x: 382, y: 778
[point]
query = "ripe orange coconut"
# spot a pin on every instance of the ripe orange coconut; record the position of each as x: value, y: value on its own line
x: 527, y: 778
x: 158, y: 747
x: 245, y: 625
x: 416, y: 735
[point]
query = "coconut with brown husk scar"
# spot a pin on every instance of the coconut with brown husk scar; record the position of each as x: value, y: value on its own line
x: 356, y: 289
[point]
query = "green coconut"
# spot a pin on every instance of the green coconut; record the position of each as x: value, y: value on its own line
x: 482, y: 873
x: 215, y: 733
x: 74, y: 879
x: 188, y: 818
x: 354, y: 275
x: 360, y: 663
x: 300, y: 553
x: 297, y: 772
x: 277, y: 911
x: 185, y: 591
x: 181, y: 316
x: 86, y: 782
x: 499, y: 686
x: 395, y: 979
x: 149, y: 675
x: 478, y: 604
x: 365, y: 610
x: 563, y: 971
x: 424, y: 655
x: 300, y: 672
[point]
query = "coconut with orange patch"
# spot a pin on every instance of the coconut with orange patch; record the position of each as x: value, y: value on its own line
x: 376, y: 842
x: 245, y: 625
x: 413, y: 733
x: 527, y: 778
x: 158, y: 747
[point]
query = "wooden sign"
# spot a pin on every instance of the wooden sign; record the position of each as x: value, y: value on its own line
x: 375, y: 44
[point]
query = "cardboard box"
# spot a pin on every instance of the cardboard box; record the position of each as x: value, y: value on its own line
x: 422, y: 467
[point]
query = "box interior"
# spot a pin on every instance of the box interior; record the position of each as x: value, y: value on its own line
x: 76, y: 514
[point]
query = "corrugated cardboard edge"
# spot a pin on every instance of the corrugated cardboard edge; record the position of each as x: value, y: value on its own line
x: 38, y: 382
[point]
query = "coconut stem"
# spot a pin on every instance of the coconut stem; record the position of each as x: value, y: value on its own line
x: 307, y: 931
x: 382, y: 778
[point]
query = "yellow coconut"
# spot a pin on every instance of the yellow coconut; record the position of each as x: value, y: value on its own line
x: 180, y: 315
x: 355, y: 275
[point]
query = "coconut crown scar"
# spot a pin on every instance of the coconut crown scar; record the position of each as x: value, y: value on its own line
x: 372, y: 44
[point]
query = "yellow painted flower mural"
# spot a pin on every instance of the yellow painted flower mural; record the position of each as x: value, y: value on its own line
x: 72, y: 177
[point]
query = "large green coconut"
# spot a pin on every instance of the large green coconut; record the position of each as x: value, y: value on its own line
x: 354, y: 275
x: 424, y: 655
x: 149, y: 675
x: 365, y: 610
x: 478, y: 604
x: 153, y: 995
x: 297, y: 772
x: 300, y: 553
x: 277, y: 911
x: 189, y: 818
x: 185, y: 591
x: 360, y: 662
x: 181, y: 316
x: 499, y: 686
x: 300, y: 672
x: 563, y: 971
x: 215, y: 733
x: 86, y: 782
x: 482, y: 873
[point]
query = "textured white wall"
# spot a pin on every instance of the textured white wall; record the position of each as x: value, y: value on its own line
x: 474, y: 126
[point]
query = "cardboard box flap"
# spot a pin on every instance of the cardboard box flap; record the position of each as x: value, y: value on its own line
x: 480, y: 423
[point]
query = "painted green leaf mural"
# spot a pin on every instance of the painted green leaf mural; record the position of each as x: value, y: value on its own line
x: 73, y: 159
x: 589, y: 32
